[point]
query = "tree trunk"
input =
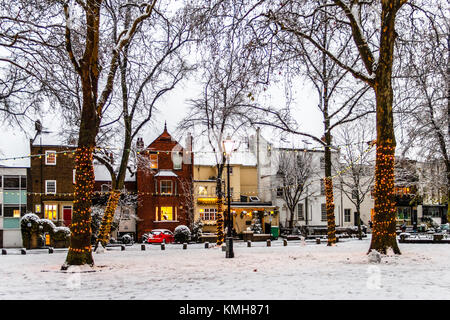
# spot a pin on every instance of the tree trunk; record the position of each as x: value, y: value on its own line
x: 358, y: 217
x: 219, y: 217
x: 384, y: 224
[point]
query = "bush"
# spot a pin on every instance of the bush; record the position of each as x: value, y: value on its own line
x: 182, y: 234
x: 197, y: 230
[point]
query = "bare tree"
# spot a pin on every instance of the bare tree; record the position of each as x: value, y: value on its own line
x: 149, y: 67
x: 356, y: 167
x: 294, y: 173
x: 426, y: 81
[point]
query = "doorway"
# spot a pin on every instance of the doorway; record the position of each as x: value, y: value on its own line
x: 67, y: 215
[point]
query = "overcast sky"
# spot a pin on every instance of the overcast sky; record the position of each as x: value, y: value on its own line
x: 15, y: 143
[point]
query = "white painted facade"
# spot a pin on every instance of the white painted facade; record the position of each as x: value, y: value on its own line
x: 312, y: 202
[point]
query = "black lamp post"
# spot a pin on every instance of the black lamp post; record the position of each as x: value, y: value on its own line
x: 228, y: 148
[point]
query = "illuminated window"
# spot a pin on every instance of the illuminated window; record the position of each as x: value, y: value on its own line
x: 154, y: 161
x: 50, y: 186
x: 166, y: 213
x: 203, y: 190
x: 50, y: 157
x: 37, y: 208
x: 51, y: 211
x: 208, y: 214
x: 166, y: 187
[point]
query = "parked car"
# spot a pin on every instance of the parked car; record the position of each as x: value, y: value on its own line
x: 160, y: 236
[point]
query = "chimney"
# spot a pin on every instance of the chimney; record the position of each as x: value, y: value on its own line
x: 140, y: 144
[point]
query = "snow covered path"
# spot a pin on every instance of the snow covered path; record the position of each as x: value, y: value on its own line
x: 294, y: 272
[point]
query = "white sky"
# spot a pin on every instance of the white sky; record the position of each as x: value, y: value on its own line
x: 15, y: 143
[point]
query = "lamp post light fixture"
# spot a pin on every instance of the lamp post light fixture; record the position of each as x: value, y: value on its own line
x: 228, y: 145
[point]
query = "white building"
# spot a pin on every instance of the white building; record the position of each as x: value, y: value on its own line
x: 311, y: 209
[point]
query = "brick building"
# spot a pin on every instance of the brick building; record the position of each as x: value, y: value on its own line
x: 164, y: 182
x: 51, y: 180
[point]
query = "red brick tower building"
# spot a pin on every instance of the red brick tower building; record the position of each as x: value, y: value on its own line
x: 164, y: 183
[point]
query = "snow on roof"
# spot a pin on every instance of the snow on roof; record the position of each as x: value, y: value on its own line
x: 239, y: 157
x: 102, y: 174
x: 51, y: 139
x: 166, y: 173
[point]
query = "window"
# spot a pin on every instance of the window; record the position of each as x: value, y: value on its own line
x: 177, y: 160
x: 37, y: 208
x: 12, y: 211
x: 208, y: 214
x: 323, y: 208
x: 231, y: 171
x: 279, y: 192
x: 1, y: 181
x: 23, y: 182
x: 154, y: 160
x: 50, y: 157
x: 403, y: 213
x: 74, y: 174
x: 231, y: 192
x: 433, y: 212
x: 300, y: 215
x: 347, y: 214
x: 355, y: 194
x: 51, y: 211
x: 166, y: 187
x: 50, y: 186
x: 322, y: 187
x: 166, y: 213
x: 322, y: 163
x: 105, y: 188
x: 11, y: 182
x: 125, y: 214
x: 203, y: 190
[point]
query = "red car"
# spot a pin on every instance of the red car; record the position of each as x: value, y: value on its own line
x: 160, y: 236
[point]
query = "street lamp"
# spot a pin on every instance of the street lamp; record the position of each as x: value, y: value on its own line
x: 228, y: 145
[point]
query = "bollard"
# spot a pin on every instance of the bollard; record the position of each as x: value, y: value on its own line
x: 284, y: 242
x: 163, y: 246
x: 206, y: 245
x: 268, y: 243
x: 122, y: 248
x: 23, y: 251
x: 142, y: 247
x: 4, y: 252
x: 184, y: 246
x: 249, y: 243
x: 318, y: 240
x: 50, y: 250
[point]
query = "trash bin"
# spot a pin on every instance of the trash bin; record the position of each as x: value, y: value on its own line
x: 275, y: 231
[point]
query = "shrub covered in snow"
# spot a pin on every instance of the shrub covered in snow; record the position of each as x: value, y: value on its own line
x: 197, y: 230
x: 256, y: 226
x: 32, y: 226
x: 182, y: 234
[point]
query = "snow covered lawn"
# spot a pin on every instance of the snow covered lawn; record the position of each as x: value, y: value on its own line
x: 297, y: 271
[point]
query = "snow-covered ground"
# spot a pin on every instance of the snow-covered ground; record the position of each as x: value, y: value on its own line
x: 297, y: 271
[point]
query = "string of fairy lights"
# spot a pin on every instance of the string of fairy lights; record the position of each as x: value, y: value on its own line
x: 246, y: 192
x: 187, y: 152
